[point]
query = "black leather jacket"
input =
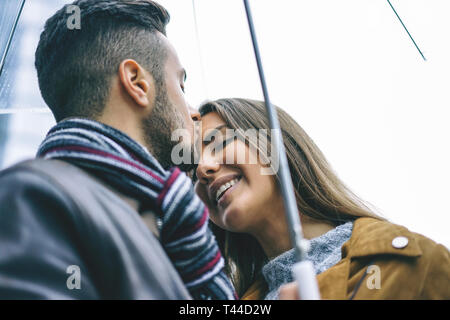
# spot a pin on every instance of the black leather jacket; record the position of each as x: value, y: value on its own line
x: 53, y: 215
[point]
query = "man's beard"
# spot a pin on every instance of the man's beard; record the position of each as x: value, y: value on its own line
x: 158, y: 128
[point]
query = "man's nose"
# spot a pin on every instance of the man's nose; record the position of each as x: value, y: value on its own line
x: 206, y: 170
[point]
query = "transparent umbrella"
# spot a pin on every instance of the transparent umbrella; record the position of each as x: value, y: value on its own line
x: 24, y: 108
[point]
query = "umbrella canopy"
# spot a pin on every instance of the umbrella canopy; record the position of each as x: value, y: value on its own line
x: 10, y: 11
x: 347, y: 71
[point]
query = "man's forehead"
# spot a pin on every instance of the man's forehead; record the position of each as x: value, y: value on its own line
x: 173, y: 60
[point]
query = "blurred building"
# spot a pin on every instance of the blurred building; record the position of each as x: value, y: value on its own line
x: 24, y: 117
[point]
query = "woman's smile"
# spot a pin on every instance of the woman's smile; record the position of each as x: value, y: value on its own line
x: 225, y: 196
x: 238, y: 196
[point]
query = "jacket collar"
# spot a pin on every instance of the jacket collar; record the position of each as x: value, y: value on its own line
x: 370, y: 237
x: 374, y: 237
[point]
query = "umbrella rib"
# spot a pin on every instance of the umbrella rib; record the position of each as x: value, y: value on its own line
x: 406, y: 29
x: 11, y: 35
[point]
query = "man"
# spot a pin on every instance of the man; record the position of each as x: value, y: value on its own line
x: 101, y: 213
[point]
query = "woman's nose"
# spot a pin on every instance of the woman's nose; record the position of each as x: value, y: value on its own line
x: 206, y: 170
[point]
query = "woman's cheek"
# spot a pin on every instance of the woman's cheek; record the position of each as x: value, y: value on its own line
x: 203, y: 195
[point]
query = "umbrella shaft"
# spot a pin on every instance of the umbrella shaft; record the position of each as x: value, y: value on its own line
x: 287, y: 190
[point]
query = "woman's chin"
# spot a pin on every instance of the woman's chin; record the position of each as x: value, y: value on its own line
x: 232, y: 220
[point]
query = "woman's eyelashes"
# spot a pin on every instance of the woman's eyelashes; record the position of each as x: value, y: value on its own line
x: 220, y: 145
x: 217, y: 144
x: 216, y: 148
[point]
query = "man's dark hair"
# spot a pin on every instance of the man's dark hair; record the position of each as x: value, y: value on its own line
x: 75, y: 67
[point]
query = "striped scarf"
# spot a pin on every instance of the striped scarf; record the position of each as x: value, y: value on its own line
x: 128, y: 167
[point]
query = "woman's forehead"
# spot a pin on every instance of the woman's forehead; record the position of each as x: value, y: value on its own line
x: 211, y: 121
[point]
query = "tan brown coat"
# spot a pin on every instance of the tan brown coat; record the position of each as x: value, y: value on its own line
x: 418, y: 270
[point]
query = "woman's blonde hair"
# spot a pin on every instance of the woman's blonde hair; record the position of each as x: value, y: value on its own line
x: 319, y: 192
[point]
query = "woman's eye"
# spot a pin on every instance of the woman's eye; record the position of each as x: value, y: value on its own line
x: 207, y: 142
x: 222, y: 144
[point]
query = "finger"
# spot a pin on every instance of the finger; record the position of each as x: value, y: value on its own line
x: 289, y: 292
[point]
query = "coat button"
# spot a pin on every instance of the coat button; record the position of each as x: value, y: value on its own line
x: 400, y: 242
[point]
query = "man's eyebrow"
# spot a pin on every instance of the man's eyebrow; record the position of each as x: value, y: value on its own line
x: 213, y: 132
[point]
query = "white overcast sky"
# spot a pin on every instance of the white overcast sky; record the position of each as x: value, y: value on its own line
x: 349, y: 74
x: 346, y: 71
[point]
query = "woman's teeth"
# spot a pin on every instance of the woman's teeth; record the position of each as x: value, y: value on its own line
x: 225, y: 187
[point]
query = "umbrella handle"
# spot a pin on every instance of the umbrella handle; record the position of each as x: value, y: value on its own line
x: 305, y: 277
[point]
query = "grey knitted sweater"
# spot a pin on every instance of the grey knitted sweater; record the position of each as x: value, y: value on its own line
x: 325, y: 252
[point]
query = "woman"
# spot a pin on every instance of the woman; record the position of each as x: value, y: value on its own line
x: 348, y: 241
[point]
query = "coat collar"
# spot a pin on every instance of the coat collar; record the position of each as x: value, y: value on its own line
x: 370, y: 237
x: 333, y: 282
x: 374, y: 237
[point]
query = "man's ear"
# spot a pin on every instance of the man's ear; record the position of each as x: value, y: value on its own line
x: 136, y: 82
